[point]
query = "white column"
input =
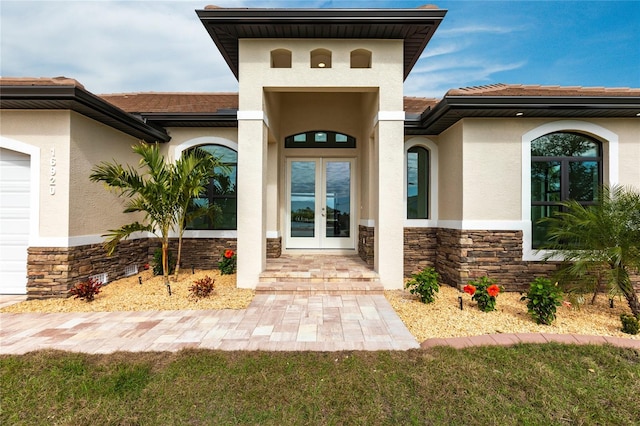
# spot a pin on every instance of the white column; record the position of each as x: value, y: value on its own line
x: 252, y: 179
x: 389, y: 234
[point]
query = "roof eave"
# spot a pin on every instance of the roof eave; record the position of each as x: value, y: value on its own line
x: 451, y: 109
x: 430, y: 18
x: 81, y: 101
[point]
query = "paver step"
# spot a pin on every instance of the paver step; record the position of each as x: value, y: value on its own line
x: 321, y: 288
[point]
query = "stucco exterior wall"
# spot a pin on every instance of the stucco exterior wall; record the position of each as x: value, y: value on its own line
x: 450, y: 171
x: 490, y: 154
x: 50, y: 132
x: 92, y: 208
x: 255, y: 72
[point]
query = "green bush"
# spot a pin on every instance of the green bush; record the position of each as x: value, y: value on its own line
x: 630, y: 324
x: 202, y: 287
x: 424, y: 284
x: 542, y: 299
x: 157, y: 262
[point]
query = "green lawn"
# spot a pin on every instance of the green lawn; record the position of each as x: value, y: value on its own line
x: 524, y: 384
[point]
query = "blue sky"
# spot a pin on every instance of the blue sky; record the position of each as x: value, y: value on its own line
x: 142, y: 46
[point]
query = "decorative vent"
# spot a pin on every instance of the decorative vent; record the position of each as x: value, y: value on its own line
x: 130, y: 270
x: 102, y: 278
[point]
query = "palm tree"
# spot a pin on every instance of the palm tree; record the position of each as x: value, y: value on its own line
x: 193, y: 172
x: 604, y: 238
x: 150, y: 189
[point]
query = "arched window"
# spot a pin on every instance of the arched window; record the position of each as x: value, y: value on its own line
x: 417, y: 183
x: 320, y: 139
x: 320, y: 58
x: 220, y: 192
x: 280, y: 58
x: 564, y: 166
x: 360, y: 58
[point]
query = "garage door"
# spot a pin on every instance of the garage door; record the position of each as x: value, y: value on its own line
x: 14, y: 221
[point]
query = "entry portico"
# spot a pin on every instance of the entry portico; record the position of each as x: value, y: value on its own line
x: 320, y: 128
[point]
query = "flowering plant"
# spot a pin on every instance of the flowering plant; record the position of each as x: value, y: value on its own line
x: 227, y: 264
x: 484, y: 291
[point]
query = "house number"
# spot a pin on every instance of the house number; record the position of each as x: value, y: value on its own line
x: 52, y: 172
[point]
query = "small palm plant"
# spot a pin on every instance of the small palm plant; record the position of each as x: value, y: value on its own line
x: 160, y: 190
x: 604, y: 238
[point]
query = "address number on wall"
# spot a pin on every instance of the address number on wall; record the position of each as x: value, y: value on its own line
x: 52, y: 172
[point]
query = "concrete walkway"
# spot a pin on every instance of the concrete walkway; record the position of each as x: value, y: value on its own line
x: 270, y: 323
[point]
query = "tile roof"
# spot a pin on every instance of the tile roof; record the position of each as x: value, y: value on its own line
x: 413, y: 105
x: 42, y: 81
x: 537, y: 90
x: 211, y: 102
x: 173, y: 102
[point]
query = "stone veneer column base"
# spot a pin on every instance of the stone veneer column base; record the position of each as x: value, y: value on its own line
x: 420, y: 246
x: 274, y: 248
x: 366, y: 240
x: 52, y: 271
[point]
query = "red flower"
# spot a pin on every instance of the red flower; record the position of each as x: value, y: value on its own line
x: 493, y: 290
x: 146, y: 266
x: 228, y: 254
x: 469, y: 289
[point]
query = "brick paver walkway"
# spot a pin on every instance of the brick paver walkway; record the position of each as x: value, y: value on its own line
x: 271, y: 322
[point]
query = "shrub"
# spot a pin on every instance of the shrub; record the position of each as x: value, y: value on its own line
x: 542, y: 299
x: 484, y: 291
x: 424, y: 284
x: 227, y: 264
x: 157, y: 262
x: 202, y: 288
x: 630, y: 324
x: 86, y: 290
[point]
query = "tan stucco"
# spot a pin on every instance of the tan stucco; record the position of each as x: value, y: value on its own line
x: 49, y: 131
x: 92, y: 208
x: 255, y: 72
x: 450, y: 173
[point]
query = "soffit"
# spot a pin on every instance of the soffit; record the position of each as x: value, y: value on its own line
x: 414, y: 26
x: 45, y: 95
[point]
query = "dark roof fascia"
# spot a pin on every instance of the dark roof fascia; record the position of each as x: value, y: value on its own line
x: 223, y: 118
x: 81, y: 101
x: 453, y: 108
x: 308, y: 17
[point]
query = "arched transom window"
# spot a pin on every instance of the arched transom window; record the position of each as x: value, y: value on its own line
x: 220, y: 192
x: 564, y: 166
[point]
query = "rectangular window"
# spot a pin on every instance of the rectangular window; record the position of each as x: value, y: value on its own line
x: 417, y: 183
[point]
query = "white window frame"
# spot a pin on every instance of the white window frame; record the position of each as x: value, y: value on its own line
x: 432, y: 147
x: 610, y: 158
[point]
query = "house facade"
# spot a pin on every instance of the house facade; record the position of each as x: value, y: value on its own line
x: 325, y: 155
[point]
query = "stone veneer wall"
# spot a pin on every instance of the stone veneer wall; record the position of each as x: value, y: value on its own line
x: 420, y: 245
x: 366, y: 235
x: 200, y: 253
x: 274, y: 248
x: 52, y: 271
x: 466, y: 255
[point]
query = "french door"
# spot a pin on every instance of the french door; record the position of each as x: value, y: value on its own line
x: 320, y: 200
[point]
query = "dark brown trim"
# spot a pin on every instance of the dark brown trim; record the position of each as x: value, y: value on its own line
x: 451, y: 109
x: 414, y: 26
x: 77, y: 99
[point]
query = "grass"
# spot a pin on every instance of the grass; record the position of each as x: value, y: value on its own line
x: 524, y: 384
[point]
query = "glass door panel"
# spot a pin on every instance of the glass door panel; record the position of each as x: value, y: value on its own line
x: 303, y: 199
x: 337, y: 199
x: 319, y: 201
